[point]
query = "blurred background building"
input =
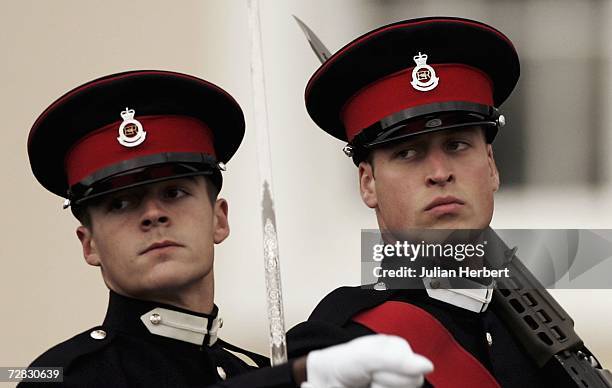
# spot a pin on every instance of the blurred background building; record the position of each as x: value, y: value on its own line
x: 553, y: 155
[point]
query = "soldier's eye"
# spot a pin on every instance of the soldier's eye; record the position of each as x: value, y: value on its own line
x: 174, y: 192
x: 120, y: 203
x: 407, y: 153
x: 457, y: 145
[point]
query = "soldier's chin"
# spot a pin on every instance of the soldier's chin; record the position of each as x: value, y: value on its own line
x: 453, y: 221
x: 177, y: 274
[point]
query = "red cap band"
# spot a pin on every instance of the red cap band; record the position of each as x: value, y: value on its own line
x: 391, y: 94
x: 164, y: 134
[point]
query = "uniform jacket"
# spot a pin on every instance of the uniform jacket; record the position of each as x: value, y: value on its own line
x: 125, y: 354
x: 483, y: 335
x: 331, y: 323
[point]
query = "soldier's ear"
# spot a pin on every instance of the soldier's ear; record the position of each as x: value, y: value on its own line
x: 220, y: 223
x: 367, y: 185
x: 90, y: 252
x: 494, y: 173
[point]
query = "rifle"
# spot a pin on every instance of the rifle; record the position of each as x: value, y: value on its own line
x: 545, y: 329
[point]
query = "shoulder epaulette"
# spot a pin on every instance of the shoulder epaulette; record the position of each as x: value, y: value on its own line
x: 340, y: 305
x: 65, y: 353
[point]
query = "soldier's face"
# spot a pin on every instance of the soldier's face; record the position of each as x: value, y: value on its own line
x: 442, y: 180
x: 156, y: 241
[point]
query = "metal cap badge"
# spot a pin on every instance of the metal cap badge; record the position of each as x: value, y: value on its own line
x: 423, y: 76
x: 131, y: 132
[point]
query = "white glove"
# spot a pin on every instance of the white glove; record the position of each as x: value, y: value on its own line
x: 376, y: 361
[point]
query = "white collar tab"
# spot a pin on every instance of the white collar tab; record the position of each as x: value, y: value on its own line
x: 182, y: 326
x: 476, y: 298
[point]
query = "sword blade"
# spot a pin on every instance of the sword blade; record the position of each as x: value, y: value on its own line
x: 274, y: 294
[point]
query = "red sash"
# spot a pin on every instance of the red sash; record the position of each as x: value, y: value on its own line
x: 453, y: 365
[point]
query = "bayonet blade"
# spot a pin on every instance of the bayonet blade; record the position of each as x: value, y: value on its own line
x: 317, y: 46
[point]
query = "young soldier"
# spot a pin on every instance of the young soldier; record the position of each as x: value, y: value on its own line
x: 417, y: 101
x: 137, y: 155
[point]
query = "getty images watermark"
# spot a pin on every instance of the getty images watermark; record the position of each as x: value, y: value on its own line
x: 427, y: 252
x: 552, y: 258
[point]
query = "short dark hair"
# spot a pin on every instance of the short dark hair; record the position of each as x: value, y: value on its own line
x: 81, y: 213
x: 369, y: 159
